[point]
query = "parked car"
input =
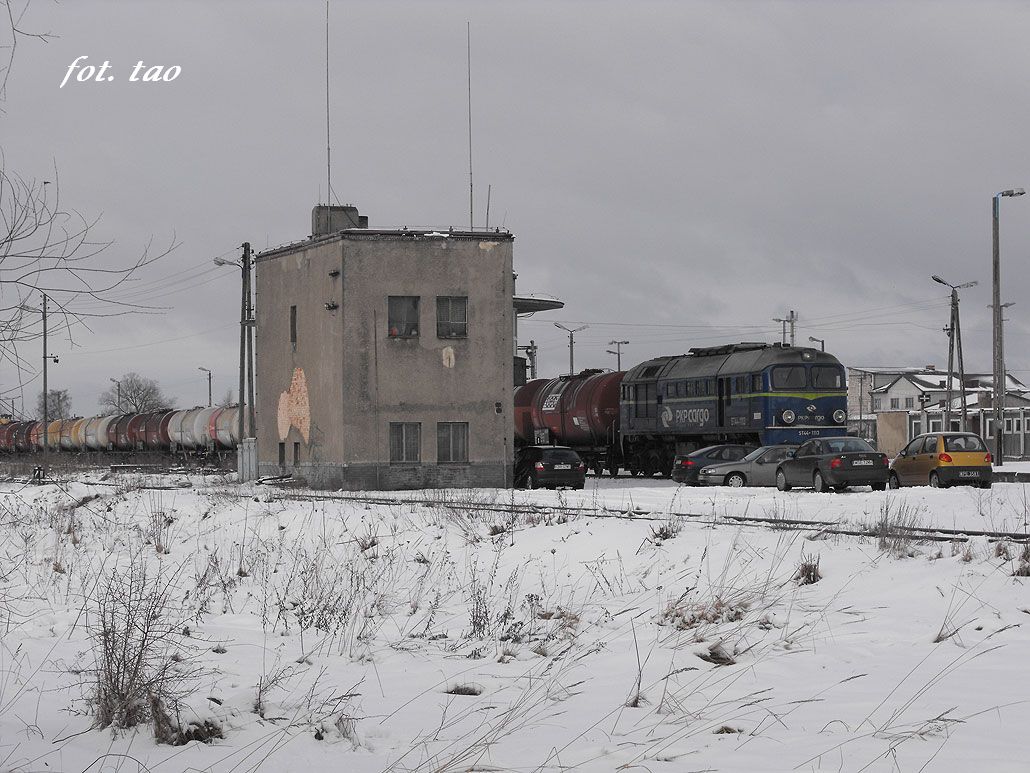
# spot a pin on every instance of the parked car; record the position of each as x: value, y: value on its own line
x: 942, y: 459
x: 756, y: 469
x: 549, y: 467
x: 686, y: 466
x: 834, y: 462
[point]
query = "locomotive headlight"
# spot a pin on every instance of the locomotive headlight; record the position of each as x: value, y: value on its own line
x: 839, y: 416
x: 788, y: 416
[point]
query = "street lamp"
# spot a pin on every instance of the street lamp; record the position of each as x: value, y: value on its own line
x: 572, y: 344
x: 999, y: 351
x: 119, y: 385
x: 820, y: 341
x: 618, y: 352
x: 246, y: 340
x: 954, y: 331
x: 208, y: 384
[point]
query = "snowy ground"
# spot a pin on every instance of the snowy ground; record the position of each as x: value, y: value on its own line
x: 318, y: 635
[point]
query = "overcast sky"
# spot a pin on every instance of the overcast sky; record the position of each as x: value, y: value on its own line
x: 678, y: 173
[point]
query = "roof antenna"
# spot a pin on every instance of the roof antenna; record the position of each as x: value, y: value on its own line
x: 328, y: 151
x: 488, y: 187
x: 468, y: 42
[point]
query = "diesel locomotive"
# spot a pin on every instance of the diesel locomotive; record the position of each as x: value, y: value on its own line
x: 640, y: 419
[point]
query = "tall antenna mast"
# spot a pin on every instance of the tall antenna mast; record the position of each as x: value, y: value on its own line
x: 328, y: 151
x: 468, y: 42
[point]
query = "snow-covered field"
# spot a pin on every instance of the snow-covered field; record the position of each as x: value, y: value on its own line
x: 595, y: 632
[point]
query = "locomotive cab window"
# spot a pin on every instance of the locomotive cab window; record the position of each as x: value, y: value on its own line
x: 789, y: 377
x: 827, y: 377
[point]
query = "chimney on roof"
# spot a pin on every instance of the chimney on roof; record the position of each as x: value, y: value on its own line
x: 330, y: 218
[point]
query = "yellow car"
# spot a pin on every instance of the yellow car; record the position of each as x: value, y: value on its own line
x: 942, y: 459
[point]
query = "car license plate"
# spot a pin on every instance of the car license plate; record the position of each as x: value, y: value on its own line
x: 862, y: 463
x: 563, y: 466
x: 969, y: 474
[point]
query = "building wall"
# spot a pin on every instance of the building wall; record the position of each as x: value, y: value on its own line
x: 350, y: 379
x: 891, y: 432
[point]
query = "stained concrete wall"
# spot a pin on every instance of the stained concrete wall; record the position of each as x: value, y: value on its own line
x: 336, y: 392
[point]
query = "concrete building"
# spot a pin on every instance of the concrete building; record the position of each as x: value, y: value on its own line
x: 385, y: 357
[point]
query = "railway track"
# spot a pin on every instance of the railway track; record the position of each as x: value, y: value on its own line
x: 818, y: 527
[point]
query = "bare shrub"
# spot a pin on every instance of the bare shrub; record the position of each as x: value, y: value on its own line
x: 894, y: 530
x: 666, y: 530
x: 808, y: 571
x: 141, y: 660
x: 1001, y: 550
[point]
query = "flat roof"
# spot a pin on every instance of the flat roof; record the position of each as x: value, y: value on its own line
x: 385, y: 234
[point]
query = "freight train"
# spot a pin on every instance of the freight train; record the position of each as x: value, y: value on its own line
x: 640, y: 419
x: 195, y: 431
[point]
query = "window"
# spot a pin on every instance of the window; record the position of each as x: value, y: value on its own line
x: 452, y: 441
x: 930, y: 443
x: 405, y: 442
x: 910, y: 402
x: 282, y: 454
x: 895, y: 403
x: 645, y: 400
x: 876, y: 403
x: 935, y: 425
x: 670, y: 389
x: 789, y: 377
x: 914, y: 447
x: 293, y: 326
x: 1008, y: 426
x: 957, y: 443
x: 403, y: 321
x: 917, y: 427
x: 451, y: 316
x: 827, y: 377
x: 296, y: 454
x: 756, y: 383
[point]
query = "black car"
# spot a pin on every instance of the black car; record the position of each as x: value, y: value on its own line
x: 686, y: 467
x: 549, y: 467
x: 834, y: 462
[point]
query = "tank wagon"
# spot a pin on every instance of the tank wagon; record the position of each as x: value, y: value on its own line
x: 641, y: 419
x: 196, y: 431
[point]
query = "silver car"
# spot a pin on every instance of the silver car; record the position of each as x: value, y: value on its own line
x: 756, y: 469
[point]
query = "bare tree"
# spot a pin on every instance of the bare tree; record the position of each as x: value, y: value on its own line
x: 48, y: 248
x: 59, y: 405
x: 138, y: 395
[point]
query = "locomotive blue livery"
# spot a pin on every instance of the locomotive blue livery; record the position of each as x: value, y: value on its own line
x: 755, y: 393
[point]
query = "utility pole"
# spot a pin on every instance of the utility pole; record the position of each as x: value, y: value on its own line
x: 46, y: 400
x: 618, y: 352
x: 961, y: 366
x: 530, y: 351
x: 242, y: 418
x: 248, y: 264
x: 208, y: 384
x: 791, y: 319
x: 950, y: 330
x: 999, y: 351
x: 46, y: 396
x: 572, y: 344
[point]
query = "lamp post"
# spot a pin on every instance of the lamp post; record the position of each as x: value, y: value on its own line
x: 246, y: 341
x: 618, y: 352
x: 955, y: 345
x: 206, y: 370
x: 820, y: 341
x: 572, y: 344
x: 118, y: 383
x: 999, y: 352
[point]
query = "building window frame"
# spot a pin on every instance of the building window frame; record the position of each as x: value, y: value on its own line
x: 402, y: 315
x: 452, y: 442
x: 910, y: 402
x: 293, y: 327
x: 895, y: 403
x: 405, y: 442
x: 452, y: 316
x: 876, y: 404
